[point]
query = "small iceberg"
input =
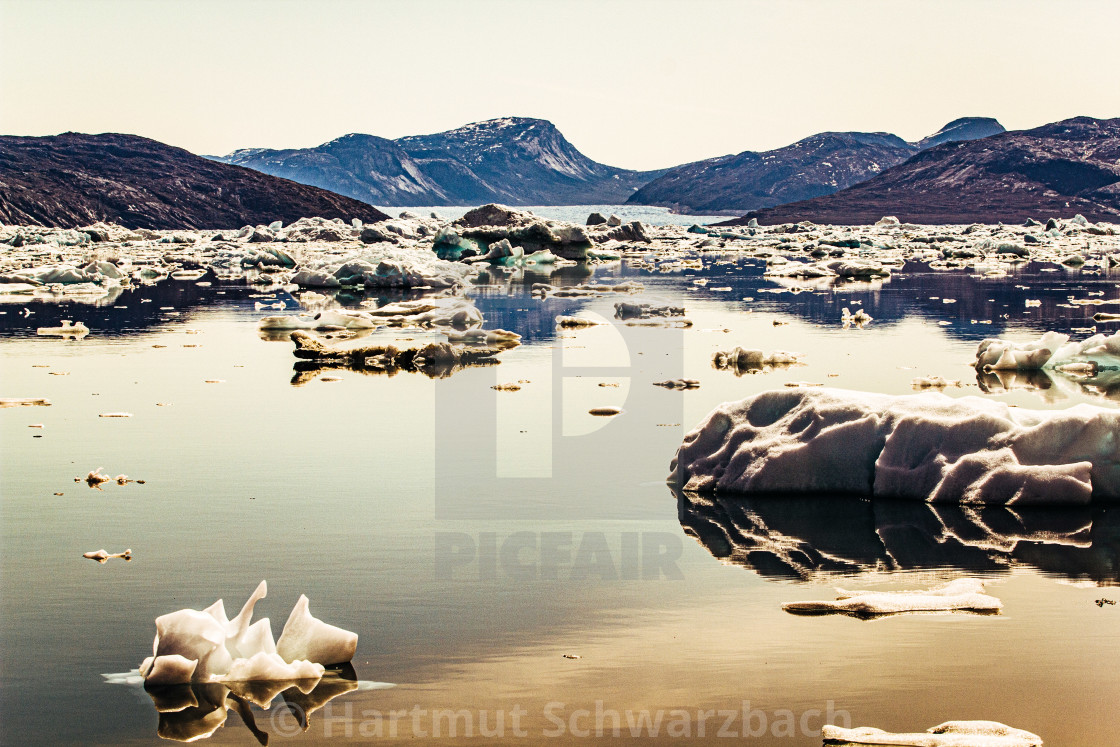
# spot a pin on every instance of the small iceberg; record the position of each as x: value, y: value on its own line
x: 961, y: 595
x: 66, y: 329
x: 205, y: 646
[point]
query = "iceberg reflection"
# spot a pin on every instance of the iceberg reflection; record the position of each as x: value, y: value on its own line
x: 190, y: 712
x: 821, y: 537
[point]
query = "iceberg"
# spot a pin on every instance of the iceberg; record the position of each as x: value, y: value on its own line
x: 204, y: 646
x: 926, y: 446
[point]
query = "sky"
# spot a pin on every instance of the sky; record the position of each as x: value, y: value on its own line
x: 643, y: 84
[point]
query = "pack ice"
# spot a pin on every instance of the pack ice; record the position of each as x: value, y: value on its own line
x: 206, y: 646
x: 926, y: 446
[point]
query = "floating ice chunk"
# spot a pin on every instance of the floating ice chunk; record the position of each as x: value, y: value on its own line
x: 860, y: 318
x: 205, y: 646
x: 924, y: 446
x: 1049, y: 351
x: 963, y: 595
x: 799, y: 270
x: 484, y: 336
x: 101, y: 555
x: 65, y: 329
x: 997, y: 355
x: 307, y: 637
x: 95, y: 478
x: 625, y: 310
x: 575, y: 322
x: 854, y: 268
x: 741, y: 360
x: 948, y: 734
x: 330, y: 319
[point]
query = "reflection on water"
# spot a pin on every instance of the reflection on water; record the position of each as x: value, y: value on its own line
x: 191, y: 712
x: 818, y: 537
x: 1052, y: 386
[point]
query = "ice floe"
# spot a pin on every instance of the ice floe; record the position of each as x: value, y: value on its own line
x: 751, y: 360
x: 948, y: 734
x: 959, y: 595
x: 924, y: 446
x: 102, y: 555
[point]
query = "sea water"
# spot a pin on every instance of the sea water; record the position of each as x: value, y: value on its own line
x: 508, y: 559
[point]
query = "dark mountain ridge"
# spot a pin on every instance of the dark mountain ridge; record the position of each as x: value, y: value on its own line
x: 73, y: 179
x: 1056, y: 170
x: 817, y: 165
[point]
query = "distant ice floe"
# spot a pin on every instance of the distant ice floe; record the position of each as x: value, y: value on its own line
x: 206, y: 646
x: 923, y: 446
x: 948, y: 734
x: 959, y: 595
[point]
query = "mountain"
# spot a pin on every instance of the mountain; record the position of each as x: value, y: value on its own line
x: 965, y: 128
x: 514, y: 160
x: 818, y: 165
x: 1057, y: 170
x: 73, y: 180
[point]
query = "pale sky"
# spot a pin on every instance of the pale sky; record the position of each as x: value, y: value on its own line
x: 641, y: 84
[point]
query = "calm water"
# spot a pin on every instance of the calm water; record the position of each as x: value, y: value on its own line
x: 472, y: 538
x: 649, y: 214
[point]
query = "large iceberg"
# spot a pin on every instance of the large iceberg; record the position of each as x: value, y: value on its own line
x: 926, y: 446
x: 206, y: 646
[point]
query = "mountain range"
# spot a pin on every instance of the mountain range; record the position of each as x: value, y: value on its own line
x: 818, y: 165
x: 958, y: 174
x: 1057, y: 170
x: 72, y: 180
x: 513, y: 160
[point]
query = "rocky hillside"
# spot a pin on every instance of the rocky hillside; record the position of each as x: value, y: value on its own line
x: 73, y: 180
x: 514, y: 160
x: 1057, y: 170
x: 818, y: 165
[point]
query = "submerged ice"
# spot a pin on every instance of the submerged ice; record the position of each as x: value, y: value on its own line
x: 925, y: 446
